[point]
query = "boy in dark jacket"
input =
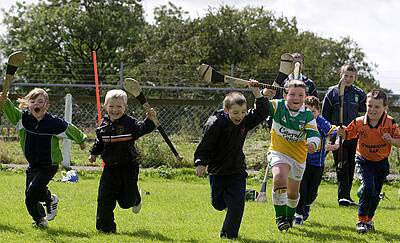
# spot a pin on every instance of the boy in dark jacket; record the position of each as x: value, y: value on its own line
x: 39, y: 133
x: 221, y: 151
x: 115, y: 143
x: 353, y: 103
x: 315, y: 162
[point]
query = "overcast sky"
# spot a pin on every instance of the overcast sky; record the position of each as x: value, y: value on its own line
x: 371, y: 23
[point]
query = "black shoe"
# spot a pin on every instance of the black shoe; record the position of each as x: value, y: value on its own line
x: 352, y: 203
x: 344, y: 202
x: 282, y: 223
x: 361, y: 227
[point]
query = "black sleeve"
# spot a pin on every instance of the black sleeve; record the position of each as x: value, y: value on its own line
x: 98, y: 145
x: 140, y: 128
x: 258, y: 114
x: 208, y: 142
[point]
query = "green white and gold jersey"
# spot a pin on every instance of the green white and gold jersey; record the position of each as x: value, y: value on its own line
x: 291, y: 131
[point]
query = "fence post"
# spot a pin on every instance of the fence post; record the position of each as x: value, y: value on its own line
x: 66, y: 151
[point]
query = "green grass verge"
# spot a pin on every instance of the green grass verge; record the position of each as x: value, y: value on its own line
x: 179, y: 210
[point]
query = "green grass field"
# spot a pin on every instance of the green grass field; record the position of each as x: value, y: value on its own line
x: 179, y: 210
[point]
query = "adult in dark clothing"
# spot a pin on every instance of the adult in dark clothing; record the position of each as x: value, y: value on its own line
x: 221, y: 152
x: 115, y: 142
x: 353, y: 103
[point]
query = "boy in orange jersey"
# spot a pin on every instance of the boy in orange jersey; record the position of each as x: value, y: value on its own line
x: 376, y: 132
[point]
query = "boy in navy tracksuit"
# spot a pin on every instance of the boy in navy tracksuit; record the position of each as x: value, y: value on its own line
x: 39, y: 133
x: 315, y: 163
x: 353, y: 103
x: 221, y: 151
x: 115, y: 142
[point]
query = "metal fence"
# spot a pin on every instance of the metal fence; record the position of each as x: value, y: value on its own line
x: 177, y: 115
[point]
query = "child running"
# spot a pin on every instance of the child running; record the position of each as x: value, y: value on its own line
x: 293, y: 133
x: 221, y: 152
x: 376, y: 132
x: 315, y: 162
x: 115, y: 143
x: 39, y: 133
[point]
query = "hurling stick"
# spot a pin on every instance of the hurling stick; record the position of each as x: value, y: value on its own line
x: 132, y: 86
x: 341, y: 88
x: 296, y: 71
x: 14, y: 61
x: 210, y: 75
x: 262, y: 196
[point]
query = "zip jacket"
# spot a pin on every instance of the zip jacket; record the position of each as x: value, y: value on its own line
x: 353, y: 103
x: 221, y: 148
x: 40, y: 139
x: 115, y: 140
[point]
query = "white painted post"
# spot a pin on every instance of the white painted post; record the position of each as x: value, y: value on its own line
x: 66, y: 151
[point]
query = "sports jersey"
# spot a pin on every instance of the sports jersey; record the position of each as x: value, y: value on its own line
x: 371, y: 145
x: 291, y: 132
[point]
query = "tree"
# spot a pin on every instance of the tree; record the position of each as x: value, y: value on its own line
x: 60, y: 35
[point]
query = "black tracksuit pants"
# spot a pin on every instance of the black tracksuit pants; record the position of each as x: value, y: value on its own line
x: 345, y: 169
x: 117, y: 184
x: 309, y: 189
x: 228, y: 192
x: 36, y: 190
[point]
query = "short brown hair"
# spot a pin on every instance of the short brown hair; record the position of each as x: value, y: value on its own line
x: 348, y: 67
x: 33, y: 94
x: 378, y: 94
x: 313, y: 102
x: 234, y: 98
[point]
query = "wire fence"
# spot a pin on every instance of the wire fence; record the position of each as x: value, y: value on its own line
x: 177, y: 115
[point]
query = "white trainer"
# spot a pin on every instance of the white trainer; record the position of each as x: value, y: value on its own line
x: 52, y: 208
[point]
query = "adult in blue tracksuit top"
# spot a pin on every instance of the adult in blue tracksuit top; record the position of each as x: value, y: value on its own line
x: 353, y: 103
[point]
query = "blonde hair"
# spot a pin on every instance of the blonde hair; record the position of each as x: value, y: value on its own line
x: 33, y: 94
x: 234, y: 98
x: 294, y: 84
x: 116, y: 94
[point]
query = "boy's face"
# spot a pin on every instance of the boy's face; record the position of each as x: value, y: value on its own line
x: 295, y: 98
x: 237, y: 113
x: 38, y: 106
x: 349, y: 77
x: 314, y: 111
x: 115, y: 108
x: 375, y: 108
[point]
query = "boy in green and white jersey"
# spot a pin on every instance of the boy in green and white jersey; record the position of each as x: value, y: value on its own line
x: 294, y: 133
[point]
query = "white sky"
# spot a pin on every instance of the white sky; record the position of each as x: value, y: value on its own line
x: 372, y: 24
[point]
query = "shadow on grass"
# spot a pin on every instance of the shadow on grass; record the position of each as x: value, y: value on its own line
x: 243, y: 239
x: 76, y: 234
x: 10, y: 229
x: 148, y: 235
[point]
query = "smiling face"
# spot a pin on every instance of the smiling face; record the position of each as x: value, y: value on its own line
x: 295, y: 98
x: 115, y: 108
x: 375, y: 109
x: 38, y: 106
x: 237, y: 113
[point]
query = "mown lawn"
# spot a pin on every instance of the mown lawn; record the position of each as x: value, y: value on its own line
x: 178, y: 210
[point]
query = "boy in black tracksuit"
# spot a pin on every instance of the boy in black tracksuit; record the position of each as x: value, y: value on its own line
x: 116, y: 143
x: 221, y: 151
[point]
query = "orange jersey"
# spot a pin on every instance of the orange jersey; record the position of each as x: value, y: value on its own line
x: 371, y: 145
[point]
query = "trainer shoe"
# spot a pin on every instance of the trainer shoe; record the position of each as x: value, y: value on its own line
x: 41, y: 223
x: 298, y: 219
x: 361, y: 227
x: 344, y: 202
x: 52, y: 207
x: 370, y: 226
x: 282, y: 223
x: 224, y: 235
x: 136, y: 208
x: 352, y: 202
